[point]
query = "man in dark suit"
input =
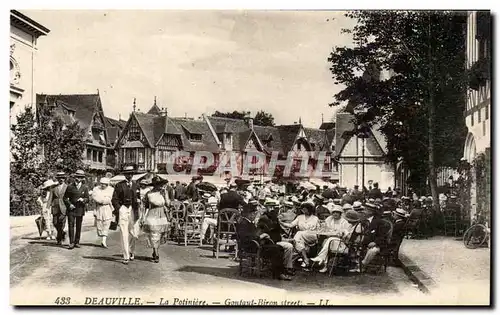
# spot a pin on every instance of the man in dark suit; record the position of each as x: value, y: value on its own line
x: 76, y: 198
x: 248, y: 232
x: 269, y: 224
x: 375, y: 237
x: 180, y: 191
x: 58, y: 207
x: 375, y: 193
x: 125, y: 200
x: 231, y: 199
x: 192, y: 191
x: 399, y: 217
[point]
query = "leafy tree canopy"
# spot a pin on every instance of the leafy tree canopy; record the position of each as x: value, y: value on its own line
x: 262, y: 118
x: 421, y: 56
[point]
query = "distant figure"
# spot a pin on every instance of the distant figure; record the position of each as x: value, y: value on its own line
x: 375, y: 193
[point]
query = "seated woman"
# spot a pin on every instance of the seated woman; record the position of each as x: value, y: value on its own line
x: 307, y: 224
x: 336, y: 227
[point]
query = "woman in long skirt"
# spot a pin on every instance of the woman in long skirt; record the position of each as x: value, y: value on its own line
x: 44, y: 201
x: 155, y: 219
x: 103, y: 212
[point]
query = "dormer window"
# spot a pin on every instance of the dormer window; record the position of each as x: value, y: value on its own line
x: 195, y: 137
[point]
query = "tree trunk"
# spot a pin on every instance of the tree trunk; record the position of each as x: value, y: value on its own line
x: 431, y: 118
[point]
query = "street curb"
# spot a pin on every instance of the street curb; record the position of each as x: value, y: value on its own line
x: 425, y: 282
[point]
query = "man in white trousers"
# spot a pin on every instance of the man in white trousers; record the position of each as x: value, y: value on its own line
x: 126, y: 200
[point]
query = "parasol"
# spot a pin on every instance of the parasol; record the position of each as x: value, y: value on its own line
x: 40, y: 224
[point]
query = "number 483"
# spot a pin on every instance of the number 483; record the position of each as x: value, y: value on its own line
x: 63, y: 300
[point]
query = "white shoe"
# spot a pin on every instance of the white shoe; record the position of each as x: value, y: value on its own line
x: 48, y: 238
x: 324, y: 269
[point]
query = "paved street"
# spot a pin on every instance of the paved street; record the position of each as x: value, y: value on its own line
x: 460, y: 275
x: 42, y: 271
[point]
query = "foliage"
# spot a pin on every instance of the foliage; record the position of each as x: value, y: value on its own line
x: 263, y: 119
x: 63, y: 145
x: 482, y: 168
x: 235, y: 114
x: 425, y: 54
x: 25, y: 171
x: 33, y: 138
x: 479, y: 73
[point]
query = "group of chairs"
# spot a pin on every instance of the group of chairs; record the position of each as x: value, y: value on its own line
x: 187, y: 220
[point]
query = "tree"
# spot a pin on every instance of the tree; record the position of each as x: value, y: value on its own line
x: 63, y: 145
x: 263, y: 119
x: 235, y: 114
x: 25, y: 173
x: 420, y: 106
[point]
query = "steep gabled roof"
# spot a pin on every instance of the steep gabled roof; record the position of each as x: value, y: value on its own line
x: 269, y: 133
x: 316, y: 137
x: 327, y: 125
x: 84, y: 105
x: 208, y: 143
x: 154, y: 110
x: 147, y: 123
x: 288, y: 135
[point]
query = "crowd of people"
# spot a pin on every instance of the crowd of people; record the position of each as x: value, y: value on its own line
x: 298, y: 228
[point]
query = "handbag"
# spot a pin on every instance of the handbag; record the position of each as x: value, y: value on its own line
x: 40, y: 224
x: 113, y: 225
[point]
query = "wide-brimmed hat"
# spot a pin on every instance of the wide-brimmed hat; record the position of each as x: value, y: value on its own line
x: 372, y: 207
x: 48, y: 184
x: 347, y: 207
x: 337, y: 201
x: 157, y: 180
x: 128, y: 170
x: 308, y: 205
x: 401, y: 212
x: 334, y: 208
x: 233, y: 185
x: 60, y: 175
x: 271, y: 202
x: 79, y: 173
x: 352, y: 216
x: 104, y: 181
x: 357, y: 205
x: 288, y: 203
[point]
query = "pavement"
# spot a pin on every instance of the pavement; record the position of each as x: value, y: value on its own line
x: 448, y: 271
x: 42, y: 272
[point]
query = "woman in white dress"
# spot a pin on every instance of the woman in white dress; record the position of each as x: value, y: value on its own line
x: 307, y: 224
x: 155, y: 223
x: 45, y: 201
x: 103, y: 212
x: 337, y: 227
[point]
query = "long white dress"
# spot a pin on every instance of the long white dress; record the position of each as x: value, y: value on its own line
x: 338, y: 228
x: 104, y: 210
x: 43, y: 202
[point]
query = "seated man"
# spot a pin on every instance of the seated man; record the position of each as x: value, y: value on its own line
x: 400, y: 217
x: 248, y: 232
x: 374, y: 239
x: 268, y: 224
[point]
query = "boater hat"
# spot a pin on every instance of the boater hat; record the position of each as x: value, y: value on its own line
x: 60, y: 175
x: 80, y: 173
x: 352, y: 216
x: 401, y: 212
x: 49, y: 184
x: 128, y: 170
x: 105, y: 181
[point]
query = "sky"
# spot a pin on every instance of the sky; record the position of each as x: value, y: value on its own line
x: 194, y: 62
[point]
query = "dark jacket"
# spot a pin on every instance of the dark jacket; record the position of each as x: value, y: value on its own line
x: 375, y: 232
x: 247, y: 232
x: 71, y: 196
x: 192, y: 192
x: 231, y: 200
x: 268, y: 223
x: 180, y: 192
x: 58, y: 205
x: 375, y: 193
x: 126, y: 196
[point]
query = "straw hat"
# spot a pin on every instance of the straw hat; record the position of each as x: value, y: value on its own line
x: 80, y: 173
x: 401, y: 212
x: 334, y: 208
x: 49, y: 184
x: 128, y: 170
x: 347, y: 207
x: 357, y: 205
x: 60, y: 175
x: 104, y: 181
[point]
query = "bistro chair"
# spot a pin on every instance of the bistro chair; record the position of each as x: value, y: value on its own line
x: 195, y: 213
x: 251, y: 260
x: 226, y: 230
x: 178, y: 219
x: 383, y: 258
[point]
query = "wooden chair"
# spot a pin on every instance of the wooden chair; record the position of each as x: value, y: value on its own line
x: 226, y: 230
x: 178, y: 220
x: 343, y: 260
x: 413, y: 223
x: 383, y: 258
x: 251, y: 260
x: 195, y: 213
